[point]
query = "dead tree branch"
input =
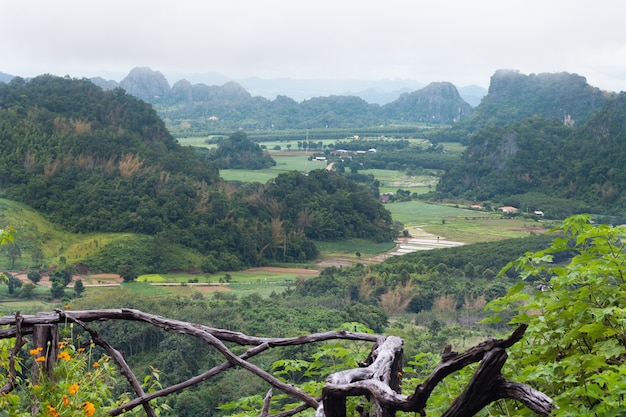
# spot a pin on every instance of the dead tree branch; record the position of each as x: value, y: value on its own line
x: 378, y: 379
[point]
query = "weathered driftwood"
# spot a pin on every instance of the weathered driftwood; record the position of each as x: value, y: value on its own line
x: 378, y: 379
x: 487, y: 385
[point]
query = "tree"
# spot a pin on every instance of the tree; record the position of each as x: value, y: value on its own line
x: 34, y: 276
x: 576, y: 316
x: 57, y: 289
x: 28, y: 290
x: 240, y: 152
x: 13, y: 283
x: 37, y: 256
x: 13, y: 252
x: 60, y: 278
x: 127, y: 272
x: 79, y: 288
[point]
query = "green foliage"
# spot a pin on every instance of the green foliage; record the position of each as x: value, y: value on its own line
x: 326, y: 205
x: 6, y: 238
x: 79, y: 287
x: 80, y: 384
x: 34, y: 275
x: 576, y: 343
x: 396, y: 155
x: 239, y: 152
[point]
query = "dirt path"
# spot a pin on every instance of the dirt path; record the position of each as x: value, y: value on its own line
x: 417, y: 241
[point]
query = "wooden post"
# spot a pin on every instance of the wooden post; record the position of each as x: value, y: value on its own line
x: 46, y: 337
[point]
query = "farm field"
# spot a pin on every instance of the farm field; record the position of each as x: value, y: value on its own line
x: 391, y: 181
x: 462, y: 224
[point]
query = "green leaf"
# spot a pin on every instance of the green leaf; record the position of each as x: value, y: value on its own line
x: 228, y: 406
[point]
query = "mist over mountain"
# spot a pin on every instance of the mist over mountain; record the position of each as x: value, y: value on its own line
x: 231, y: 106
x: 513, y: 96
x: 5, y: 78
x: 431, y: 104
x: 373, y: 91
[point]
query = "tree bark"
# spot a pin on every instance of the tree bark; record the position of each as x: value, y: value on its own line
x: 46, y: 337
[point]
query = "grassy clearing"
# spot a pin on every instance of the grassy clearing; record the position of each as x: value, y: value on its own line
x: 494, y: 227
x: 245, y: 175
x: 453, y: 147
x: 351, y: 247
x: 198, y: 141
x: 391, y: 181
x: 286, y: 161
x: 463, y: 225
x: 420, y: 213
x: 34, y: 230
x: 240, y: 282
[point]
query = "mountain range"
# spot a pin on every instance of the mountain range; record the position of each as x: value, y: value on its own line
x: 372, y: 91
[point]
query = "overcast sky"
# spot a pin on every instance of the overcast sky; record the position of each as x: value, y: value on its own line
x: 461, y: 41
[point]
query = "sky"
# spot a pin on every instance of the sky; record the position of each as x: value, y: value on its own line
x: 460, y: 41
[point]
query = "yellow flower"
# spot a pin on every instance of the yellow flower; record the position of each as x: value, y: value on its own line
x: 64, y: 355
x: 66, y: 401
x: 81, y: 349
x: 95, y: 364
x: 67, y: 306
x: 35, y: 351
x: 89, y: 408
x: 40, y: 359
x: 73, y: 389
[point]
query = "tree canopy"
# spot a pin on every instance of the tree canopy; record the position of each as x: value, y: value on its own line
x: 239, y: 152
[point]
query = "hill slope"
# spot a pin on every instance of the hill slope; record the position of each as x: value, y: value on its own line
x: 545, y: 157
x: 513, y: 97
x: 103, y: 161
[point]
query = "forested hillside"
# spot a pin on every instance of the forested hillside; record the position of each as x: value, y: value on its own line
x: 94, y: 160
x: 543, y: 164
x: 513, y: 97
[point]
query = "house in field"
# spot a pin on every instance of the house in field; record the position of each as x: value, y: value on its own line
x: 508, y: 209
x: 384, y: 198
x: 476, y: 207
